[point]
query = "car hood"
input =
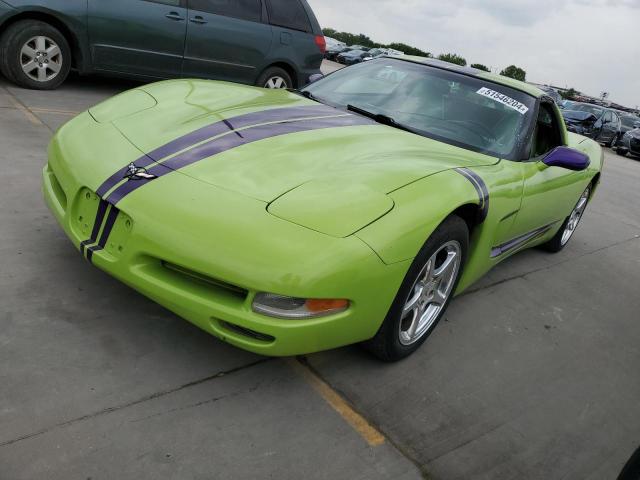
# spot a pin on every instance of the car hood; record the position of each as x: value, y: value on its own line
x: 576, y: 116
x: 329, y: 166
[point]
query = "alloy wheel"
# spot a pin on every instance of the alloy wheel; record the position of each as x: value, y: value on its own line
x: 575, y: 217
x: 430, y: 292
x: 41, y: 59
x: 276, y: 83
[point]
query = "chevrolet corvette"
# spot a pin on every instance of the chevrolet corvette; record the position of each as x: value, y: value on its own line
x: 350, y: 211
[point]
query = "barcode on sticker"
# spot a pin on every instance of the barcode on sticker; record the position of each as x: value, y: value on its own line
x: 503, y: 99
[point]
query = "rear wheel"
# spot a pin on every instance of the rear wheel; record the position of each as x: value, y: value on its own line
x: 35, y: 55
x: 275, y: 78
x: 561, y: 239
x: 621, y: 152
x: 424, y: 294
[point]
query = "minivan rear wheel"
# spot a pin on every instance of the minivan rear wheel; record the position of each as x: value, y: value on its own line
x: 274, y: 78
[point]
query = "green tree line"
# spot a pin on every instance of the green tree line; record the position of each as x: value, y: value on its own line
x: 511, y: 71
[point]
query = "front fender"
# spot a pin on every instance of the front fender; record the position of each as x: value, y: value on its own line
x: 419, y: 208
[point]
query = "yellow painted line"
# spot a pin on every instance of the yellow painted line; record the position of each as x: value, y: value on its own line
x: 367, y: 431
x: 27, y: 113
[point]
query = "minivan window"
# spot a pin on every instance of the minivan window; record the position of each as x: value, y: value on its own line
x: 243, y: 9
x: 288, y: 14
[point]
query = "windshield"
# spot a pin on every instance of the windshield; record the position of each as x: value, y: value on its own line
x: 583, y: 107
x: 447, y: 106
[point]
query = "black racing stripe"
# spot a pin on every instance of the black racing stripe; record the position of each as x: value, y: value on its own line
x: 102, y: 209
x: 108, y: 226
x: 520, y: 240
x: 215, y: 129
x: 228, y: 142
x: 481, y: 190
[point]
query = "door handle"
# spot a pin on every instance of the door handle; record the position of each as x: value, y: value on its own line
x: 174, y: 16
x: 198, y: 19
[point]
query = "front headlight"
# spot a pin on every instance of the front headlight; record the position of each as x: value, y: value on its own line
x: 281, y: 306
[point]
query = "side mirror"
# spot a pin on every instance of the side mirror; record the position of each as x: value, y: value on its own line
x: 565, y: 157
x: 315, y: 77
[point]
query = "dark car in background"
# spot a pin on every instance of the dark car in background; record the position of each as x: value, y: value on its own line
x: 352, y: 57
x: 630, y: 142
x: 628, y: 122
x: 600, y: 123
x: 269, y: 43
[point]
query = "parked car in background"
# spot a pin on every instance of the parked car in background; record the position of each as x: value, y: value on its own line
x: 352, y: 57
x: 332, y: 43
x: 593, y: 121
x: 628, y: 122
x: 333, y: 52
x: 553, y: 93
x: 375, y: 52
x: 269, y: 43
x: 566, y: 104
x: 630, y: 142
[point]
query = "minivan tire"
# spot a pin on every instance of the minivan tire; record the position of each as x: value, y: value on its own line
x: 274, y: 77
x: 27, y: 33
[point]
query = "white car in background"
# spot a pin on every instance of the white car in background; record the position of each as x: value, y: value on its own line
x: 332, y: 42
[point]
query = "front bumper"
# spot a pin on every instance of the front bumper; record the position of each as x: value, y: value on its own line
x: 630, y: 145
x: 173, y: 244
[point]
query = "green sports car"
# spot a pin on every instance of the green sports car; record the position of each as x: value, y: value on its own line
x: 288, y: 222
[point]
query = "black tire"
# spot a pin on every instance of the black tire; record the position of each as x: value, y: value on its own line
x: 556, y: 244
x: 622, y: 153
x: 613, y: 142
x: 16, y: 37
x: 272, y: 73
x: 386, y: 344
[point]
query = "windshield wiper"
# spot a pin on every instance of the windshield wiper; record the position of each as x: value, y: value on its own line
x: 381, y: 118
x: 306, y: 94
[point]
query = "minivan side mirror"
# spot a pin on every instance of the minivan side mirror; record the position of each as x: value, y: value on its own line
x: 565, y: 157
x: 315, y: 77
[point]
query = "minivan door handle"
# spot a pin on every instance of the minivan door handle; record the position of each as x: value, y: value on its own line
x: 198, y: 19
x: 174, y: 16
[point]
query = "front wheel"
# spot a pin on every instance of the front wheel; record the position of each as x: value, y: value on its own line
x: 274, y: 78
x: 614, y: 140
x: 424, y: 294
x: 560, y: 240
x: 35, y: 55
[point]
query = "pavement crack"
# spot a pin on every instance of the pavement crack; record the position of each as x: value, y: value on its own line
x: 146, y: 398
x: 195, y: 405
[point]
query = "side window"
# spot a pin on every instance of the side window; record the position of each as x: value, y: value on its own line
x: 547, y: 134
x: 243, y: 9
x: 288, y: 14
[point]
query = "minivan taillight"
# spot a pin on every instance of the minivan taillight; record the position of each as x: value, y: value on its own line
x: 321, y: 43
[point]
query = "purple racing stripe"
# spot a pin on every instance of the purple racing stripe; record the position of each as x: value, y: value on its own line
x: 108, y: 226
x: 215, y: 129
x: 222, y: 144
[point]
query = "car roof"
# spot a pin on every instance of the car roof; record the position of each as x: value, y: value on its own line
x: 500, y: 79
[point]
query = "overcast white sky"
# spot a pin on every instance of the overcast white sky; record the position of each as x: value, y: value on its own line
x: 591, y: 45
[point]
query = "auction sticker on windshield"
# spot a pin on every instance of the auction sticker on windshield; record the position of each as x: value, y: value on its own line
x: 504, y: 99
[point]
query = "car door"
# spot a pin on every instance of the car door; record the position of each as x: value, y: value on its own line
x: 549, y: 193
x: 609, y: 128
x: 143, y: 37
x: 226, y: 39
